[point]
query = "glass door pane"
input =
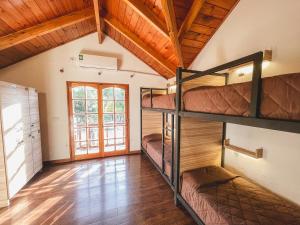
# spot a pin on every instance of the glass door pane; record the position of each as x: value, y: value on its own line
x: 114, y: 119
x: 85, y: 120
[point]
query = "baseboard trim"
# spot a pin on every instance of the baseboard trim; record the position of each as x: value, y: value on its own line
x: 135, y: 152
x: 58, y: 161
x: 62, y: 161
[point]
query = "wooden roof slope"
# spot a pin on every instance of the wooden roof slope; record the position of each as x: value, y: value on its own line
x: 162, y: 33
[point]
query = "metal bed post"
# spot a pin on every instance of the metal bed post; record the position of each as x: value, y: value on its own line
x: 141, y: 119
x: 172, y: 151
x: 224, y: 132
x: 151, y: 93
x: 163, y: 143
x: 256, y: 85
x: 178, y: 120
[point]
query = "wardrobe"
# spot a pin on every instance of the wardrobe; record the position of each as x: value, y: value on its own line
x: 20, y: 138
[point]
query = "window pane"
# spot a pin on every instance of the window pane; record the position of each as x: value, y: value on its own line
x: 109, y: 132
x: 108, y: 119
x: 93, y: 134
x: 119, y: 94
x: 91, y: 93
x: 120, y: 118
x: 92, y: 119
x: 108, y: 106
x: 79, y: 120
x: 92, y: 106
x: 78, y: 106
x: 94, y: 147
x: 78, y: 92
x: 120, y: 106
x: 80, y: 134
x: 109, y: 145
x: 80, y: 148
x: 120, y: 131
x: 120, y: 144
x: 108, y: 94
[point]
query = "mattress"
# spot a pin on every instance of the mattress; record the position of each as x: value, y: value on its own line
x: 154, y: 150
x: 159, y: 101
x: 151, y: 137
x: 221, y: 198
x: 280, y: 98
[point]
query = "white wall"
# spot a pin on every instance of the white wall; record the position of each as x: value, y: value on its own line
x: 42, y: 72
x: 254, y: 26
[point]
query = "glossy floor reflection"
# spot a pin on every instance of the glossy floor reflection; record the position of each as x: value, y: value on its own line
x: 123, y: 190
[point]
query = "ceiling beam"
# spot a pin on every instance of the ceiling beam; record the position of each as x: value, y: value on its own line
x: 45, y: 28
x: 190, y: 18
x: 114, y: 23
x: 99, y: 21
x: 168, y: 10
x: 146, y: 13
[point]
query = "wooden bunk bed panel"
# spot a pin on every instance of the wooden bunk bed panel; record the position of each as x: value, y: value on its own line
x: 208, y: 80
x: 152, y: 122
x: 200, y: 143
x: 280, y: 98
x: 220, y: 197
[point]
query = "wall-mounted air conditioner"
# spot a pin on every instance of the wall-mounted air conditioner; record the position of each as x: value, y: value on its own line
x: 95, y: 60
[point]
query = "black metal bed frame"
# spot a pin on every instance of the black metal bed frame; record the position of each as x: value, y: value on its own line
x: 165, y: 114
x: 252, y: 120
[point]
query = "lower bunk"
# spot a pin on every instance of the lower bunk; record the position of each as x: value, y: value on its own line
x: 152, y: 147
x: 215, y: 196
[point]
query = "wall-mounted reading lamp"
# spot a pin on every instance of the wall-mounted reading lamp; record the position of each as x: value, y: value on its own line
x: 247, y: 69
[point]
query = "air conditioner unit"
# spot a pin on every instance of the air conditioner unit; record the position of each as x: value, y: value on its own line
x: 94, y: 60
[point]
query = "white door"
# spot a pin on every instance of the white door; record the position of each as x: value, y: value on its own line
x: 35, y: 130
x: 17, y: 144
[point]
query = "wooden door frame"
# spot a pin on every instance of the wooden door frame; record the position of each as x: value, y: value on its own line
x: 99, y: 86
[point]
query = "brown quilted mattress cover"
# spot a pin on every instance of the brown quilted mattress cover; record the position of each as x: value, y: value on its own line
x: 280, y: 98
x: 150, y: 137
x: 154, y: 150
x: 160, y: 101
x: 221, y: 198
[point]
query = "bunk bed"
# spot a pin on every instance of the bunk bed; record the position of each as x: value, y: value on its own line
x: 158, y: 99
x: 159, y: 147
x: 213, y: 195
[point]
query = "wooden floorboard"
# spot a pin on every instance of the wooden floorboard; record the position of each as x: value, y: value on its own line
x: 124, y: 190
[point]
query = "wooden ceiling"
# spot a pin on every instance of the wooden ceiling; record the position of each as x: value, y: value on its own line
x: 164, y: 34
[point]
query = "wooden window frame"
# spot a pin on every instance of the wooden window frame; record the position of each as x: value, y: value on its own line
x: 99, y: 87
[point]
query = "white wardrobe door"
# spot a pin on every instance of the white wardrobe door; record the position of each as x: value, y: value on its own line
x: 17, y: 145
x: 35, y: 130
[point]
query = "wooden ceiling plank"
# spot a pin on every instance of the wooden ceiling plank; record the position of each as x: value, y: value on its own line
x: 190, y: 17
x: 99, y: 22
x: 168, y: 10
x: 140, y: 44
x: 44, y: 28
x: 148, y: 15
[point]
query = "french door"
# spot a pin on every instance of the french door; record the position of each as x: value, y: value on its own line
x: 98, y: 115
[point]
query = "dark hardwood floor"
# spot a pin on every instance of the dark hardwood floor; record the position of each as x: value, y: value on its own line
x: 123, y: 190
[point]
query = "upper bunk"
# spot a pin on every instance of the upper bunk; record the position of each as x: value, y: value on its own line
x: 272, y: 103
x: 158, y: 99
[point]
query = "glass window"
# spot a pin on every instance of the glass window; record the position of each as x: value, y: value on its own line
x: 120, y: 106
x: 91, y: 93
x: 119, y: 94
x: 108, y: 106
x: 108, y: 94
x: 78, y: 92
x: 92, y: 119
x: 78, y: 106
x: 92, y: 106
x: 108, y: 119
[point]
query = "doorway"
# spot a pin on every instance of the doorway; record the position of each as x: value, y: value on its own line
x: 98, y: 119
